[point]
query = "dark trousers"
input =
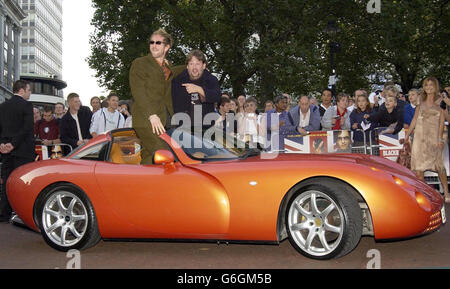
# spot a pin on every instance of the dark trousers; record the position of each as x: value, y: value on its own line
x: 9, y: 163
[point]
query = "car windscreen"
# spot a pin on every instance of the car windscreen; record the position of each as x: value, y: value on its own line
x: 208, y: 144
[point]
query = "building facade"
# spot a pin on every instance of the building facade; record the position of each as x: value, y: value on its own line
x: 41, y: 43
x: 41, y: 49
x: 11, y: 16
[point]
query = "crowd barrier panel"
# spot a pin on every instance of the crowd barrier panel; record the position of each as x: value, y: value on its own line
x: 386, y: 146
x: 54, y: 151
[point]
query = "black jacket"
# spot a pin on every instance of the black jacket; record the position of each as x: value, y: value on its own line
x: 68, y: 127
x: 17, y: 126
x: 181, y: 100
x: 385, y: 119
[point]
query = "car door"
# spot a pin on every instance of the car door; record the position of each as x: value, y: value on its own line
x: 156, y: 201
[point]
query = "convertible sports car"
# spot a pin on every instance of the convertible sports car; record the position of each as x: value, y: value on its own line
x: 201, y: 188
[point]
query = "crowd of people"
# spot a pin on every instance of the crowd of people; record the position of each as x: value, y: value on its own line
x: 161, y: 92
x: 73, y: 126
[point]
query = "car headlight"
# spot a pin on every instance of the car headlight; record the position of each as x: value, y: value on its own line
x: 423, y: 201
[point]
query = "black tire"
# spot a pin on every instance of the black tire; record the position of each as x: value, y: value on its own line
x: 309, y: 234
x: 68, y: 221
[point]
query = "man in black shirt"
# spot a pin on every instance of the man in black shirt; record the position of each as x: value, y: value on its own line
x: 195, y: 86
x: 16, y: 138
x: 390, y: 114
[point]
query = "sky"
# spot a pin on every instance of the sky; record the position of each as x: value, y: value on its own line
x: 77, y: 15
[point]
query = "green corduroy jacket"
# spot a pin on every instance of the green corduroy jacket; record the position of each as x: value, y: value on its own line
x: 151, y: 92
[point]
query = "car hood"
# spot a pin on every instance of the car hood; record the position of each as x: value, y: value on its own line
x: 282, y: 159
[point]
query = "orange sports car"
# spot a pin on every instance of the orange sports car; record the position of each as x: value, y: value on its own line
x: 209, y: 187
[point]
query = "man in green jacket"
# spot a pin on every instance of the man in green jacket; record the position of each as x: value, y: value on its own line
x: 151, y: 84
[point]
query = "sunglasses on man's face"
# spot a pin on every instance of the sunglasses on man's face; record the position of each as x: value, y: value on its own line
x: 156, y: 42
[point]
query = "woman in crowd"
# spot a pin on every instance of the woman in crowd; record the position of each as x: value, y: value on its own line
x: 337, y: 117
x: 410, y: 108
x: 357, y: 121
x: 248, y: 123
x: 241, y: 102
x: 429, y: 140
x: 125, y: 110
x: 234, y: 106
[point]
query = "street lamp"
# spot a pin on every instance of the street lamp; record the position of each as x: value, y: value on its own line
x: 335, y: 47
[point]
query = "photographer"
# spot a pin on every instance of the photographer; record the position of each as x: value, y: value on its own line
x: 376, y: 99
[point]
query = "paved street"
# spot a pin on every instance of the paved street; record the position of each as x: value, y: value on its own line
x: 21, y: 248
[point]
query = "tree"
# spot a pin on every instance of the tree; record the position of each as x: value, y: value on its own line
x: 405, y: 43
x: 263, y: 47
x: 122, y: 30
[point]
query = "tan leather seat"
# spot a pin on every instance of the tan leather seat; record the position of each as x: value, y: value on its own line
x: 116, y: 154
x: 118, y: 157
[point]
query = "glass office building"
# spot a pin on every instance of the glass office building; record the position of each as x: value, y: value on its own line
x: 11, y: 16
x: 41, y: 48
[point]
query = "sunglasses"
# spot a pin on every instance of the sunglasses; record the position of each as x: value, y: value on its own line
x: 156, y: 42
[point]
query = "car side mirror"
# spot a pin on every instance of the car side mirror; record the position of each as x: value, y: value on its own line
x: 163, y: 157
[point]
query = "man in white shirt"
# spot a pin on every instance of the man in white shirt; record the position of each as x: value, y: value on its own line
x: 305, y: 116
x: 107, y: 119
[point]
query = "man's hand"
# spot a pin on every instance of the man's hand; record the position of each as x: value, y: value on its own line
x: 157, y: 126
x: 302, y: 131
x: 6, y: 148
x: 47, y: 142
x: 355, y: 125
x: 2, y: 148
x: 192, y: 88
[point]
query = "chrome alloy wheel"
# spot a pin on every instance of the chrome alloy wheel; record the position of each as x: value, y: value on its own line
x: 64, y: 218
x: 316, y: 223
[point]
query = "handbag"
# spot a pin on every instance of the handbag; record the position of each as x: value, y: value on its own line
x: 404, y: 156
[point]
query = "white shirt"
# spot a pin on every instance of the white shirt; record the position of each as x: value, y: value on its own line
x: 129, y: 122
x: 75, y: 117
x: 103, y: 121
x: 350, y: 108
x: 372, y: 99
x: 304, y: 119
x: 251, y: 127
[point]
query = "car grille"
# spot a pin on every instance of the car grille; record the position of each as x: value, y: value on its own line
x: 435, y: 222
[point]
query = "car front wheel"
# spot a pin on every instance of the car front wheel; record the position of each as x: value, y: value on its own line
x: 67, y: 219
x: 323, y: 221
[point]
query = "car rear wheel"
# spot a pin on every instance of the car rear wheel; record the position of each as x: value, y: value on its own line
x: 323, y: 221
x: 67, y: 219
